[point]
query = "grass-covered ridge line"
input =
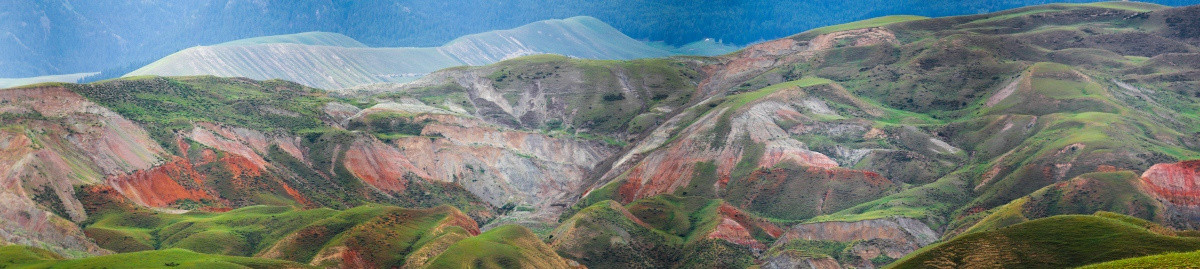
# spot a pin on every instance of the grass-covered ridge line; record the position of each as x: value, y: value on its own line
x: 868, y: 23
x: 508, y: 246
x: 1178, y: 260
x: 385, y: 235
x: 1058, y: 241
x: 166, y: 105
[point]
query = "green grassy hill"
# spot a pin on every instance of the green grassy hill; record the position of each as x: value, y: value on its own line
x: 1086, y: 194
x: 1053, y: 242
x: 380, y: 236
x: 508, y: 246
x: 29, y: 257
x: 1162, y: 261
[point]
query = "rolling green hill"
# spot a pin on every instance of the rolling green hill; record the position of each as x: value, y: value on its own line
x: 1160, y: 261
x: 1054, y: 242
x: 29, y: 257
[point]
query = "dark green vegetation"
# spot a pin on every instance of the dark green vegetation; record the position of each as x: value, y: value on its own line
x: 1059, y: 241
x: 169, y: 105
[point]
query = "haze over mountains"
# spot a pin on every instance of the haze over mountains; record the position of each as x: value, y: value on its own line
x: 333, y: 61
x: 1051, y: 136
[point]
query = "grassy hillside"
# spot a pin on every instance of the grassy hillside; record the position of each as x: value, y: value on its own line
x: 1161, y: 261
x: 507, y: 246
x: 383, y: 235
x: 372, y: 236
x: 659, y: 231
x: 1053, y: 242
x: 28, y: 257
x: 1086, y: 194
x: 332, y: 62
x: 168, y: 105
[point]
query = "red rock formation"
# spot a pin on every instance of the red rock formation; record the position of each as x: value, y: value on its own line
x: 746, y: 220
x: 732, y: 231
x: 159, y: 186
x: 1175, y: 183
x: 735, y: 227
x: 380, y: 165
x: 459, y: 219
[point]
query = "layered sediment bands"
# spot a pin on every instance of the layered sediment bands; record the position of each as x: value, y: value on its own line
x: 1177, y: 185
x: 732, y: 136
x: 902, y: 235
x: 499, y: 165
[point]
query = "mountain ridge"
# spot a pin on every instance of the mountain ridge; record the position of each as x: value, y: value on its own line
x: 337, y: 67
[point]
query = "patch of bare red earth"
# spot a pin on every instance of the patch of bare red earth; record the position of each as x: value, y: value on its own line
x: 159, y: 186
x: 736, y: 226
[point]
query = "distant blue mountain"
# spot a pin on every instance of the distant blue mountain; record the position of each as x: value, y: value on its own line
x: 43, y: 37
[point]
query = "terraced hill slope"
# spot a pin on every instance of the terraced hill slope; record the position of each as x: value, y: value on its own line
x: 848, y: 146
x: 332, y: 61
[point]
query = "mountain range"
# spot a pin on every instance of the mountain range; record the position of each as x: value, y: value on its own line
x: 1049, y: 136
x: 334, y: 61
x: 55, y: 37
